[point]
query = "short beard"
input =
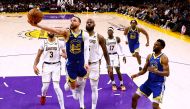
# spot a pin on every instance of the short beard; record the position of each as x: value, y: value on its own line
x: 89, y: 29
x: 73, y: 27
x: 50, y: 35
x: 156, y: 51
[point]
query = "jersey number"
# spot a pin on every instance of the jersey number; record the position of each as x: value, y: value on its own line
x: 51, y: 54
x: 111, y: 48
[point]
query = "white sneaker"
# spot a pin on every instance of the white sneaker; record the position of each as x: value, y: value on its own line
x: 66, y: 86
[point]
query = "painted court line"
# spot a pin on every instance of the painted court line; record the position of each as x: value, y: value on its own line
x: 99, y: 88
x: 69, y: 95
x: 117, y: 94
x: 6, y: 85
x: 109, y: 82
x: 19, y: 92
x: 46, y: 96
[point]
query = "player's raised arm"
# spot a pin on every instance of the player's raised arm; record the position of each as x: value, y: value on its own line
x: 61, y: 32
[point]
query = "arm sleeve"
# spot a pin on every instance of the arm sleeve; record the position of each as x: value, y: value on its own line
x: 86, y: 47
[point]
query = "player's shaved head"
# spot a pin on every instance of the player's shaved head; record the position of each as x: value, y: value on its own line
x: 90, y: 20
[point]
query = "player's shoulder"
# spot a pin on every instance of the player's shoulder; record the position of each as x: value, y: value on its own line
x: 164, y: 57
x: 127, y: 28
x: 85, y: 33
x: 101, y: 38
x: 149, y: 56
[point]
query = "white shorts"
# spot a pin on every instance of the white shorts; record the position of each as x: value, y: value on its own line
x: 51, y: 71
x: 94, y: 71
x: 114, y: 60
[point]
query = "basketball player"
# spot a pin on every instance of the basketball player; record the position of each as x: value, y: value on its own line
x: 51, y: 68
x: 77, y: 49
x: 112, y: 45
x: 158, y: 67
x: 132, y: 39
x: 96, y: 41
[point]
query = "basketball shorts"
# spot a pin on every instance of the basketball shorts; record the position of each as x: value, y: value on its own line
x: 51, y: 71
x: 134, y: 47
x: 94, y: 70
x: 75, y: 69
x: 114, y: 60
x: 157, y: 88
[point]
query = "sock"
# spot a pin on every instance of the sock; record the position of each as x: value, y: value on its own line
x: 121, y: 82
x: 113, y: 82
x: 59, y: 94
x: 44, y: 88
x: 94, y: 88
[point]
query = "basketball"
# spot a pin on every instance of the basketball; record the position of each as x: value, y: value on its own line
x: 35, y: 15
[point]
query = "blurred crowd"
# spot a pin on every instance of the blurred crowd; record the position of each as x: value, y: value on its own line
x: 169, y: 14
x: 173, y: 14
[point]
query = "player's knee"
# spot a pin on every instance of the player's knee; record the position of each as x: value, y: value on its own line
x: 117, y: 70
x: 94, y: 88
x: 110, y: 74
x: 56, y: 85
x: 155, y: 105
x: 45, y: 86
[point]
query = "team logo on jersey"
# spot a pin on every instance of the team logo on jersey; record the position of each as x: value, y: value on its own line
x: 75, y: 46
x: 132, y: 36
x: 92, y: 41
x: 154, y: 64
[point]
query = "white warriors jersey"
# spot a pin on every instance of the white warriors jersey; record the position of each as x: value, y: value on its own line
x: 94, y: 48
x: 111, y: 45
x: 51, y: 50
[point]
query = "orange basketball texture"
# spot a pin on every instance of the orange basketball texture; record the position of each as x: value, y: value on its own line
x: 35, y: 15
